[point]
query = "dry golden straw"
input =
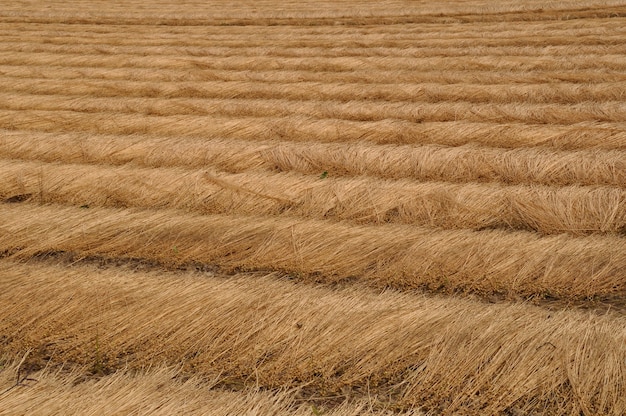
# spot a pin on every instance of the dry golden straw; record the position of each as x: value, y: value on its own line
x: 160, y: 392
x: 467, y: 163
x: 358, y: 76
x: 372, y: 195
x: 81, y: 45
x: 26, y: 89
x: 485, y: 262
x: 584, y: 135
x: 549, y: 210
x: 122, y: 97
x: 253, y: 330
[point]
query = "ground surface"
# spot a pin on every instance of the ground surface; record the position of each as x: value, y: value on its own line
x: 309, y: 208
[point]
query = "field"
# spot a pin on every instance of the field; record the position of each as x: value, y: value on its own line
x: 306, y: 208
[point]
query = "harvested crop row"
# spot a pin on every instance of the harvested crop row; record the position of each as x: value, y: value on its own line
x: 149, y: 103
x: 251, y: 330
x: 294, y: 9
x: 158, y: 392
x: 559, y: 40
x: 429, y: 162
x: 575, y: 210
x: 507, y: 135
x: 494, y: 31
x: 354, y: 45
x: 336, y: 64
x: 589, y: 77
x: 321, y: 15
x: 343, y: 204
x: 563, y: 92
x: 565, y: 27
x: 146, y: 98
x: 485, y: 262
x: 416, y: 50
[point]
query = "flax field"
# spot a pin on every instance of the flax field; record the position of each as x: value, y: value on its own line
x: 313, y: 208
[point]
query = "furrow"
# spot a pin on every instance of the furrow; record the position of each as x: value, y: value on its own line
x: 485, y: 262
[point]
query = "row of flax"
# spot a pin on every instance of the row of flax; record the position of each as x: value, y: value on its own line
x: 370, y: 210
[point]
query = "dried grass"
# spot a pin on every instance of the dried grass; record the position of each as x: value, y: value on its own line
x: 586, y: 135
x: 357, y: 76
x: 485, y: 262
x: 549, y: 210
x: 321, y: 13
x: 563, y: 29
x: 428, y: 162
x: 25, y: 90
x: 614, y: 62
x: 588, y: 45
x: 303, y: 157
x: 160, y: 392
x: 448, y: 355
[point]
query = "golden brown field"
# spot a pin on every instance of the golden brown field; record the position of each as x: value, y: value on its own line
x: 306, y: 208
